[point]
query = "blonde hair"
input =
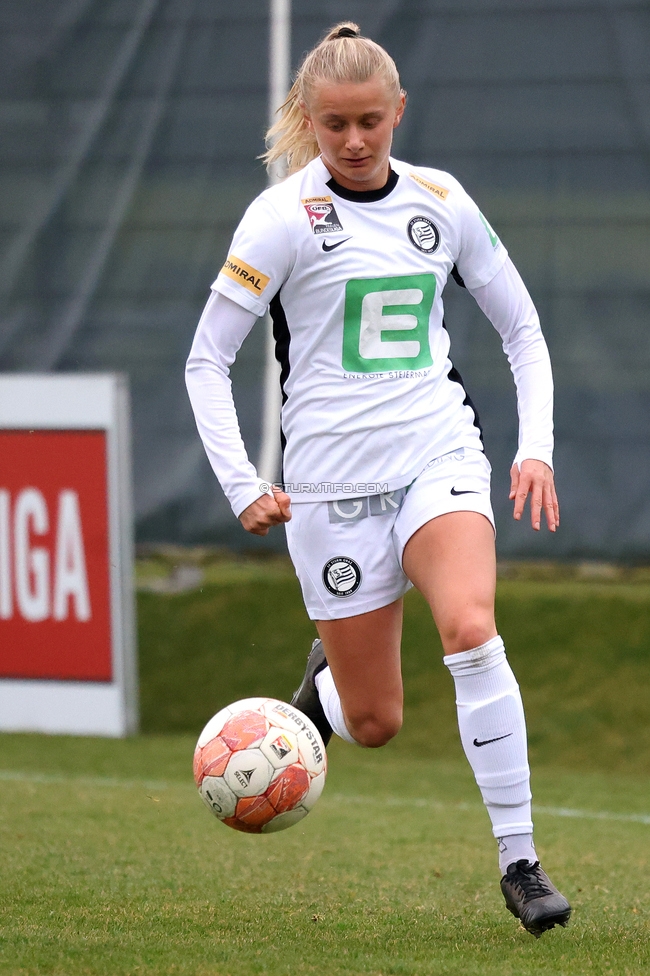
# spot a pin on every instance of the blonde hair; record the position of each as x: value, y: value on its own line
x: 342, y: 56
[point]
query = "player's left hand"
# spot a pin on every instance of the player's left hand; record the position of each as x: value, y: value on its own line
x: 535, y: 479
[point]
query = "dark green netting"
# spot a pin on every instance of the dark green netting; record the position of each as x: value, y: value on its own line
x: 129, y: 137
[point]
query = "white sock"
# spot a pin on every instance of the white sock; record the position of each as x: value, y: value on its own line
x: 329, y: 699
x: 515, y: 848
x: 493, y: 733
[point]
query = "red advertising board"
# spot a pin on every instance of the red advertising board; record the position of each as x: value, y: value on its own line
x: 55, y: 606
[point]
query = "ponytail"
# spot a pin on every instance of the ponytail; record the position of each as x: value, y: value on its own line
x: 342, y: 56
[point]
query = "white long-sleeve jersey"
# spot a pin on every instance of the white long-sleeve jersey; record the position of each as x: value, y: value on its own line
x: 354, y: 282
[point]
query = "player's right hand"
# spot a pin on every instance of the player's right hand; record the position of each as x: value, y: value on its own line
x: 265, y: 512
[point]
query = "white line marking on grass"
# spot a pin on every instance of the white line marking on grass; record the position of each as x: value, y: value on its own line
x: 642, y: 818
x: 17, y: 776
x: 396, y: 801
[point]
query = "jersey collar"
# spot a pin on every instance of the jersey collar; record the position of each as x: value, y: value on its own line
x: 359, y: 196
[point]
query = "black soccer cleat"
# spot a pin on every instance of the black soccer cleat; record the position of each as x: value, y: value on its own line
x: 306, y: 697
x: 533, y: 898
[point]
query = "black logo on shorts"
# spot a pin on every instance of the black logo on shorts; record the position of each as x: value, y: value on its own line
x: 341, y: 576
x: 424, y: 234
x: 466, y: 491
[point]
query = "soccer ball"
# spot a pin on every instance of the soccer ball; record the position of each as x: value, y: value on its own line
x: 260, y: 765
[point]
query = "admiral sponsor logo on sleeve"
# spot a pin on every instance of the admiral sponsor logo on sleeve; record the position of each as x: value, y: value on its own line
x: 341, y: 576
x: 438, y: 191
x: 245, y: 275
x: 322, y: 214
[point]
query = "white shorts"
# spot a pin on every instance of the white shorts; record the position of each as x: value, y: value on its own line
x: 348, y: 553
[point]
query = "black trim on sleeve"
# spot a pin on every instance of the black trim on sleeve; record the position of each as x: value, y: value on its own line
x: 282, y: 338
x: 456, y: 275
x: 365, y: 196
x: 455, y: 377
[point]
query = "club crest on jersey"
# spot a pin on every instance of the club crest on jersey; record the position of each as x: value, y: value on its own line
x: 322, y: 214
x: 424, y: 234
x: 341, y: 576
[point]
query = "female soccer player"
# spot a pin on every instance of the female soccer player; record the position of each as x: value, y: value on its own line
x: 385, y: 482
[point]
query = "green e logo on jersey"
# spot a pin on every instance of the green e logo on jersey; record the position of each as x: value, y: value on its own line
x: 386, y: 323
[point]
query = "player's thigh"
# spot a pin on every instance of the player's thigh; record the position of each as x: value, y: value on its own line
x: 352, y: 583
x: 445, y: 540
x: 452, y: 561
x: 363, y: 653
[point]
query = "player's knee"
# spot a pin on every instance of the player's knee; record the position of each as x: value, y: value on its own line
x: 468, y: 633
x: 373, y: 730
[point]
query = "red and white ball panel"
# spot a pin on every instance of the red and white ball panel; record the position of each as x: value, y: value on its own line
x: 218, y: 721
x: 260, y: 765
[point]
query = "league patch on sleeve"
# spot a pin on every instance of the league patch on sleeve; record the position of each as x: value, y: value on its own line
x: 322, y: 215
x: 245, y: 275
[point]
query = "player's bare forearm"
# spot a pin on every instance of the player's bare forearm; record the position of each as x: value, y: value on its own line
x: 266, y: 512
x: 535, y: 478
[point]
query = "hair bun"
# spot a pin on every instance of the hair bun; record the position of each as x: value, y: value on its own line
x: 346, y: 32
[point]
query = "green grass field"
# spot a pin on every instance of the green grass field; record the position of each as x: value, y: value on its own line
x: 111, y: 864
